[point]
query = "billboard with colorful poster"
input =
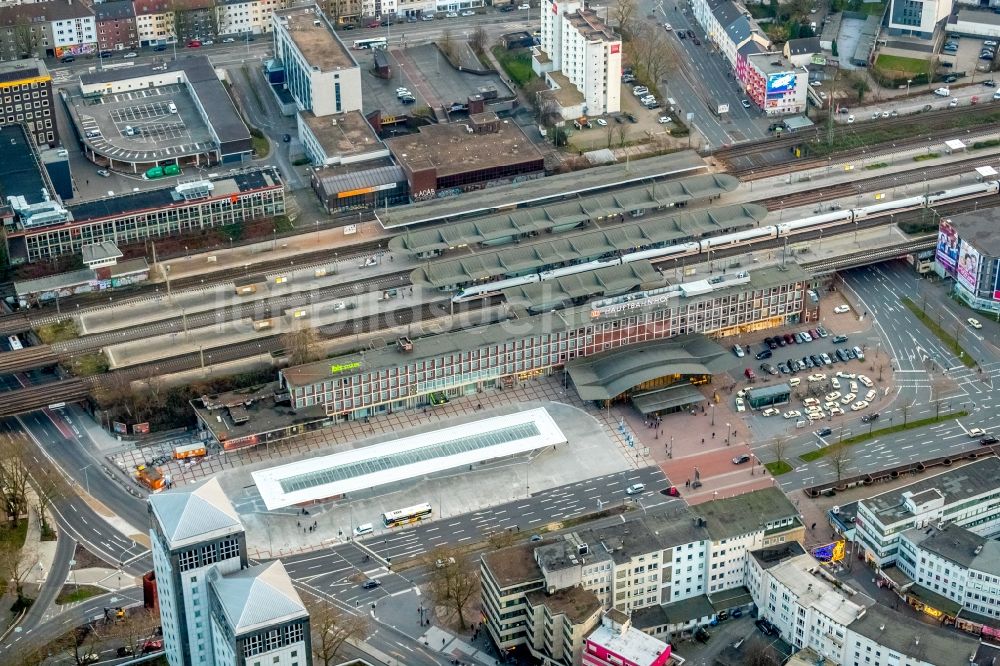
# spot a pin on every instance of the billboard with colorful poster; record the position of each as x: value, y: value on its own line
x: 120, y: 428
x: 140, y: 429
x: 996, y: 284
x: 780, y: 83
x: 831, y: 552
x: 968, y: 266
x: 947, y: 247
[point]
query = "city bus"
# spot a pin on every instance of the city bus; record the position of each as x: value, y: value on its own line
x: 406, y: 516
x: 375, y: 43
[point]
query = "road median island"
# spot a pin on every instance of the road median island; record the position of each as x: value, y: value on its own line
x: 863, y: 437
x: 949, y: 340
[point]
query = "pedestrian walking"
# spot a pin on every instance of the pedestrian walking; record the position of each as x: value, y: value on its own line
x: 298, y: 523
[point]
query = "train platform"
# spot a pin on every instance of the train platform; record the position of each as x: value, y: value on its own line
x: 174, y: 341
x: 220, y: 296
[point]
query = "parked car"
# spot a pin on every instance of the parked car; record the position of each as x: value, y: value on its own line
x: 943, y: 92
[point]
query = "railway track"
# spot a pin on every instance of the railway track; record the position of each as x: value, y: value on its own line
x: 749, y: 162
x: 257, y: 310
x: 872, y: 184
x: 271, y: 344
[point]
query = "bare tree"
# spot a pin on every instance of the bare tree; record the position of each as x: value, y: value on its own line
x: 939, y: 385
x: 651, y: 53
x: 755, y: 653
x: 454, y: 581
x: 134, y: 629
x: 840, y: 459
x: 622, y: 132
x: 479, y: 40
x: 14, y: 454
x: 301, y: 345
x: 906, y: 411
x: 25, y: 39
x: 624, y: 11
x: 331, y: 628
x: 447, y: 45
x: 14, y: 570
x: 778, y: 447
x: 501, y: 539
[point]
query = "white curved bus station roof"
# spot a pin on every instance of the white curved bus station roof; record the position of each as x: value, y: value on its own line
x: 396, y: 460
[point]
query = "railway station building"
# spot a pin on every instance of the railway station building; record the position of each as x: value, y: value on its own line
x: 461, y: 363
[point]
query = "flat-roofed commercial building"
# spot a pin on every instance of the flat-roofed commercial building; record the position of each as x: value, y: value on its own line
x: 968, y: 251
x: 966, y: 497
x: 134, y: 217
x: 452, y: 158
x: 455, y: 364
x: 320, y: 72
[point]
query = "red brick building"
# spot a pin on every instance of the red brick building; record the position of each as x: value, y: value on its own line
x: 116, y: 26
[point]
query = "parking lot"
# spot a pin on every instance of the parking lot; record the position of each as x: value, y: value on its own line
x: 966, y: 59
x: 427, y: 74
x: 825, y: 395
x: 138, y: 126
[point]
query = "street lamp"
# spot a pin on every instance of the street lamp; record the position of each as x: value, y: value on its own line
x: 86, y: 476
x: 908, y: 82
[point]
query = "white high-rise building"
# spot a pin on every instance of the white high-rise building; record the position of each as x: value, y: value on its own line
x: 194, y: 531
x: 213, y: 609
x: 580, y: 54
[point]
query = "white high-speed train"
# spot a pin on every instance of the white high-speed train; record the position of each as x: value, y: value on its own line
x: 821, y: 221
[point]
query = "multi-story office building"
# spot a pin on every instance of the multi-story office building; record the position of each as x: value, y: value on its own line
x: 215, y: 611
x: 194, y: 531
x: 238, y: 17
x: 578, y: 51
x: 26, y: 99
x: 116, y: 29
x: 813, y: 610
x: 258, y: 618
x: 916, y: 18
x: 651, y: 567
x: 47, y: 30
x: 134, y: 217
x: 456, y: 364
x: 968, y: 252
x: 957, y: 564
x: 320, y: 72
x: 738, y: 525
x: 965, y: 497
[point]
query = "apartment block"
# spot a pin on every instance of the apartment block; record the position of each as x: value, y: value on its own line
x: 116, y: 29
x: 965, y: 497
x: 580, y: 58
x: 154, y: 22
x: 617, y: 643
x: 916, y: 18
x: 47, y: 30
x: 238, y: 17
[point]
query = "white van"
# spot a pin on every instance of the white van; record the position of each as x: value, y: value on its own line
x: 172, y: 107
x: 794, y: 381
x: 636, y: 488
x: 364, y: 529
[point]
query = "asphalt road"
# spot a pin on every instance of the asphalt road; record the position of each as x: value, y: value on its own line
x: 927, y: 377
x: 704, y: 82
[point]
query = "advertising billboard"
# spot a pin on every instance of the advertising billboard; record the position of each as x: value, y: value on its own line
x: 996, y: 283
x: 781, y: 83
x: 968, y: 266
x: 947, y: 247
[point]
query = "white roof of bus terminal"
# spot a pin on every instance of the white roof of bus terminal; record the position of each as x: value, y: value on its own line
x: 319, y: 478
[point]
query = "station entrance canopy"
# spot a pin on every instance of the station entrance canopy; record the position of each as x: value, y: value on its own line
x: 315, y: 479
x: 642, y: 372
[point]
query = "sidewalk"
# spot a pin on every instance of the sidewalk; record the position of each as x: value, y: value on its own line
x: 36, y: 555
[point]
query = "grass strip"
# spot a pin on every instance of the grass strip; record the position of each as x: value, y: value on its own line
x: 863, y: 437
x: 949, y: 340
x: 778, y: 467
